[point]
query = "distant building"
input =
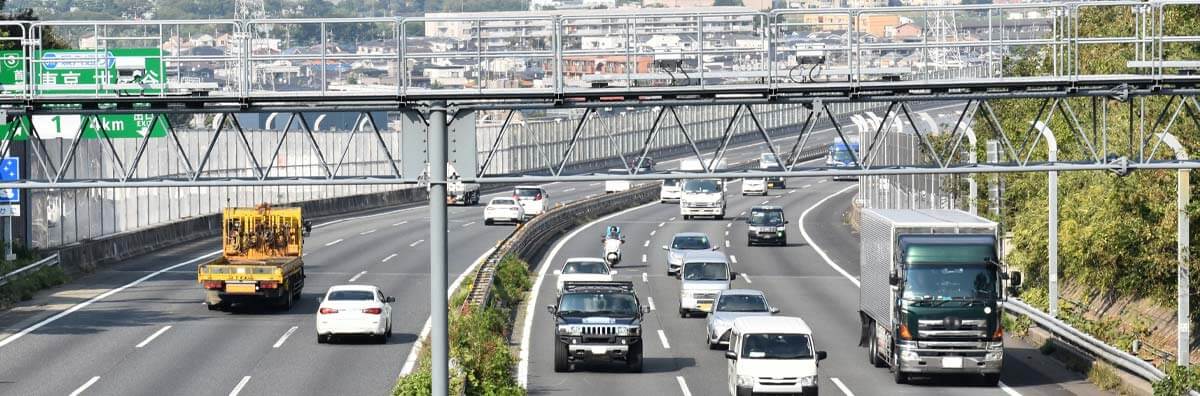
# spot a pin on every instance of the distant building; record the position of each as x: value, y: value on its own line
x: 874, y: 24
x: 761, y: 5
x: 907, y: 31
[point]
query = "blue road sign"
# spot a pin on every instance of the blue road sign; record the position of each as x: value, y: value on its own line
x: 10, y: 170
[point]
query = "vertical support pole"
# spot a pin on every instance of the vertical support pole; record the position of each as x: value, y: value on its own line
x: 8, y: 239
x: 1052, y: 219
x: 439, y: 347
x: 1183, y: 192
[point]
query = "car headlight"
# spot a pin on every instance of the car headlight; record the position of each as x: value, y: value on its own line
x: 781, y: 228
x: 993, y: 356
x: 570, y: 330
x: 808, y: 381
x: 745, y: 380
x: 909, y: 355
x: 625, y: 331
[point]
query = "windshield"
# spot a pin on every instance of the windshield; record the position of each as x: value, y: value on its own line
x: 840, y: 154
x: 742, y: 303
x: 776, y: 346
x: 950, y: 282
x: 584, y: 267
x: 351, y: 295
x: 504, y: 201
x: 670, y: 182
x: 766, y: 217
x: 702, y: 186
x: 690, y: 243
x: 705, y: 272
x: 598, y: 303
x: 527, y: 192
x: 767, y: 158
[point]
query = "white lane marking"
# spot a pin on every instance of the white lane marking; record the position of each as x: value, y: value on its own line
x: 152, y: 337
x: 306, y: 254
x: 791, y: 191
x: 661, y: 224
x: 842, y: 387
x: 241, y: 384
x: 733, y: 258
x: 650, y: 301
x: 652, y: 232
x: 671, y: 219
x: 334, y: 242
x: 765, y: 202
x: 645, y: 277
x: 568, y: 190
x: 806, y: 186
x: 368, y: 232
x: 728, y: 225
x: 726, y: 243
x: 400, y: 223
x: 359, y: 275
x: 742, y: 214
x: 647, y: 244
x: 821, y: 181
x: 820, y: 251
x: 411, y: 362
x: 1010, y: 391
x: 643, y: 258
x: 85, y: 385
x: 527, y: 327
x: 414, y: 244
x: 727, y: 232
x: 746, y: 277
x: 683, y: 386
x: 662, y: 336
x: 468, y: 224
x: 593, y: 184
x: 389, y: 257
x: 102, y: 296
x: 285, y: 336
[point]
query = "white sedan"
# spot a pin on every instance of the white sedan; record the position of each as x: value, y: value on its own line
x: 503, y: 209
x: 354, y: 310
x: 757, y: 186
x: 583, y: 269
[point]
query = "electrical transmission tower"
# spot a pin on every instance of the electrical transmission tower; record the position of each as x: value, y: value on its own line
x: 943, y: 32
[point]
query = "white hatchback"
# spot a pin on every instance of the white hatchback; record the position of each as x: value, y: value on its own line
x: 354, y: 310
x: 503, y: 209
x: 535, y: 200
x: 757, y: 186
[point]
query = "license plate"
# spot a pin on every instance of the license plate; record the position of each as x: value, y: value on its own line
x: 705, y: 307
x: 952, y: 362
x: 599, y: 350
x: 240, y: 288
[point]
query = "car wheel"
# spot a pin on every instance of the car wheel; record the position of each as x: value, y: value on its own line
x: 683, y: 313
x: 634, y: 358
x: 560, y: 358
x: 783, y: 242
x: 487, y: 221
x: 285, y: 302
x: 214, y: 307
x: 711, y: 344
x: 720, y: 217
x: 389, y: 329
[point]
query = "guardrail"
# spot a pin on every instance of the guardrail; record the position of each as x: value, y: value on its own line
x: 1097, y: 348
x: 28, y: 269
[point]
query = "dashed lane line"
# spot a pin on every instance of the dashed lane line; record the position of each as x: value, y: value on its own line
x: 733, y: 258
x: 645, y: 277
x: 414, y: 244
x: 152, y: 337
x: 389, y: 257
x: 356, y: 276
x: 78, y: 391
x: 683, y: 385
x: 468, y: 224
x: 284, y: 337
x: 372, y: 231
x: 662, y: 336
x: 647, y: 244
x: 241, y: 384
x: 650, y: 301
x: 643, y: 258
x: 842, y: 387
x: 334, y: 242
x: 400, y: 223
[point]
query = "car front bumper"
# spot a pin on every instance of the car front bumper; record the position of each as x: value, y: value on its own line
x: 941, y: 361
x: 694, y: 211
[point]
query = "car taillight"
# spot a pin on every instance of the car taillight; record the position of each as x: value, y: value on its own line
x: 214, y: 285
x: 268, y: 285
x: 327, y: 311
x: 373, y: 311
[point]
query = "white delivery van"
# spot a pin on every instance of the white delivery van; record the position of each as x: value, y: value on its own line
x: 772, y: 354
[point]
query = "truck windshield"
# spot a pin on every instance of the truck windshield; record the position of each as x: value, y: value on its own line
x: 706, y: 272
x: 766, y: 218
x: 702, y: 186
x: 776, y: 346
x: 742, y: 303
x: 597, y: 303
x: 940, y: 282
x: 670, y: 182
x: 840, y: 154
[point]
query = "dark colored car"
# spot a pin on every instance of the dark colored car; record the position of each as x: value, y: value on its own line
x: 766, y: 224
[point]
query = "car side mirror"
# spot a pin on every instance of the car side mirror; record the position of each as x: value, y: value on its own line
x: 613, y: 272
x: 1014, y: 278
x: 716, y: 248
x: 894, y: 279
x: 774, y: 310
x: 557, y: 272
x: 552, y: 309
x: 821, y: 355
x: 731, y: 355
x: 389, y: 299
x: 787, y: 222
x: 733, y: 275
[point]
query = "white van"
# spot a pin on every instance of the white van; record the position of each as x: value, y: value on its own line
x: 670, y: 190
x: 772, y: 354
x: 703, y: 275
x: 533, y: 199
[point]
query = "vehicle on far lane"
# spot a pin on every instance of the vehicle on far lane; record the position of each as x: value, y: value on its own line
x: 598, y: 321
x: 766, y: 224
x: 503, y: 209
x: 841, y: 155
x: 681, y: 244
x: 535, y: 200
x: 704, y: 275
x: 768, y: 162
x: 354, y: 310
x: 754, y: 185
x: 583, y: 269
x: 669, y: 192
x: 616, y: 185
x: 732, y: 304
x: 772, y: 355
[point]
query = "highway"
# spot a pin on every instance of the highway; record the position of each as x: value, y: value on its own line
x: 795, y: 278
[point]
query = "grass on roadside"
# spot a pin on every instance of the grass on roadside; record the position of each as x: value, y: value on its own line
x: 25, y: 286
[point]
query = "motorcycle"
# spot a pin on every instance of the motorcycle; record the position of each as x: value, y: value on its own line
x: 612, y: 250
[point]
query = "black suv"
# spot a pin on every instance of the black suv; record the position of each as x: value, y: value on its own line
x: 766, y: 224
x: 598, y: 321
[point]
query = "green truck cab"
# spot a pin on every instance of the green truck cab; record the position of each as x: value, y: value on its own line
x: 932, y: 293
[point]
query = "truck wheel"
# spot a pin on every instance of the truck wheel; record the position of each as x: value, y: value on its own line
x: 321, y: 339
x: 897, y: 375
x: 560, y: 358
x: 683, y: 313
x: 214, y: 307
x: 286, y: 301
x: 991, y: 379
x: 873, y: 350
x: 634, y: 358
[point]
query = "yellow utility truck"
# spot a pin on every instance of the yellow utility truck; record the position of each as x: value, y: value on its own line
x: 261, y: 261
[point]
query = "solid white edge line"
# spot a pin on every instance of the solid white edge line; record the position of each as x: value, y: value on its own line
x: 102, y: 296
x: 241, y: 384
x: 842, y: 387
x: 85, y: 385
x: 284, y: 337
x: 662, y: 336
x: 820, y: 251
x: 410, y: 363
x: 683, y: 385
x: 1009, y: 390
x: 152, y: 337
x: 526, y: 330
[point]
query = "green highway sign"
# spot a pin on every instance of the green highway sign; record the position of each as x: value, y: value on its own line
x: 65, y: 126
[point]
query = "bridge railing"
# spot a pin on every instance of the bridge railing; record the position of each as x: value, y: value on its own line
x: 522, y: 53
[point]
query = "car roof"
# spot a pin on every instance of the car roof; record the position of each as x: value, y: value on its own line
x: 705, y: 255
x: 766, y: 207
x: 537, y: 187
x: 689, y: 234
x: 742, y: 292
x: 353, y: 287
x: 771, y: 324
x: 584, y: 259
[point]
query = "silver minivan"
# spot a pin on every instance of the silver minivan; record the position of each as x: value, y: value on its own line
x: 703, y: 276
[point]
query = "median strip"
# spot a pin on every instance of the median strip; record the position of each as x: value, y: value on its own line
x: 152, y: 337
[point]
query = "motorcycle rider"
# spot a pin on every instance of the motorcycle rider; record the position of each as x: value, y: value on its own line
x: 612, y: 244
